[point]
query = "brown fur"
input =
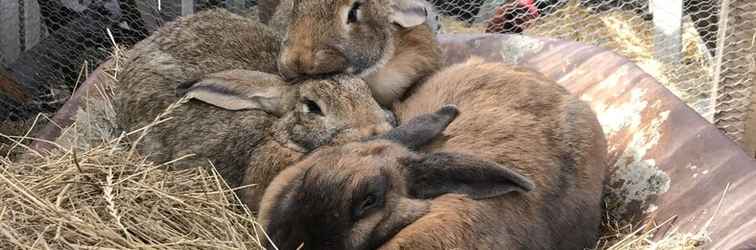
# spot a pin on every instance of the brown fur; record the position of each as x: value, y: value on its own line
x: 518, y: 116
x: 389, y: 56
x: 511, y: 119
x: 247, y: 146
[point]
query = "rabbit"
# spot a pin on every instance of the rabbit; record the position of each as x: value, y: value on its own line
x: 239, y: 114
x: 389, y: 43
x: 521, y: 167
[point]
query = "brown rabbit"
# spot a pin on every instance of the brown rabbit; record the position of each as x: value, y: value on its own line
x: 387, y: 42
x: 250, y: 124
x: 521, y: 167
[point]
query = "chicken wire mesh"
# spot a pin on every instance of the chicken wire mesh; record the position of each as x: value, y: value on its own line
x: 48, y: 46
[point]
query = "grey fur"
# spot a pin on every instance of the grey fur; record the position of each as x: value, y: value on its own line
x: 218, y: 57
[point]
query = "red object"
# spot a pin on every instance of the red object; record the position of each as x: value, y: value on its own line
x: 10, y: 88
x: 513, y: 17
x: 530, y: 5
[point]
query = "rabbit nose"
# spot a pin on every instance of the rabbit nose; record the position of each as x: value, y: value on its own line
x: 295, y: 61
x: 325, y: 62
x: 290, y: 65
x: 310, y: 62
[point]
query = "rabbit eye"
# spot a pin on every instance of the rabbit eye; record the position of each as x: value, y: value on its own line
x: 352, y: 16
x: 312, y: 107
x: 370, y: 196
x: 370, y: 201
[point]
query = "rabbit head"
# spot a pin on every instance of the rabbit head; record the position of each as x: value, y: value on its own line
x: 344, y: 36
x: 359, y: 195
x: 310, y: 114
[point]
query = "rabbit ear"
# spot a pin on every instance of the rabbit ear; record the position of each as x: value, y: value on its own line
x: 238, y: 90
x: 421, y: 129
x: 439, y: 173
x: 408, y: 13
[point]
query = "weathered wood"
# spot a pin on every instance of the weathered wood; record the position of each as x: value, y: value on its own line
x: 735, y: 76
x: 187, y: 7
x: 10, y: 42
x: 667, y: 30
x: 235, y: 5
x: 734, y: 71
x: 153, y: 16
x: 32, y: 23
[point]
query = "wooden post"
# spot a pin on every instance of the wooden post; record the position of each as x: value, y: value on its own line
x: 667, y: 30
x: 735, y: 72
x: 153, y: 17
x: 10, y: 41
x: 235, y: 5
x: 32, y: 23
x: 187, y: 7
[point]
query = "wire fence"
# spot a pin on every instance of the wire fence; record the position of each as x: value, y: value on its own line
x: 702, y: 50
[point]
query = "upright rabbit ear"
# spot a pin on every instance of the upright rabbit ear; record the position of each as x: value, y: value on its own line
x: 422, y: 129
x: 435, y: 174
x: 238, y: 90
x: 408, y: 13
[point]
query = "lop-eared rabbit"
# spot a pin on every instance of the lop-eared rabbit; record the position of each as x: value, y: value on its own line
x: 389, y: 43
x: 249, y: 123
x: 521, y: 167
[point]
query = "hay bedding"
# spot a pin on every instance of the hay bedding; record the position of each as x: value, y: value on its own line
x: 95, y: 192
x: 105, y: 199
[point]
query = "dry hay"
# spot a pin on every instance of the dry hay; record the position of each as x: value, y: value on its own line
x: 453, y: 25
x: 620, y: 234
x: 105, y: 199
x: 13, y: 134
x: 94, y: 192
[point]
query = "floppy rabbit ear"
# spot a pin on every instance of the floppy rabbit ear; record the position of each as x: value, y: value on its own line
x: 408, y: 13
x: 421, y: 130
x: 435, y: 174
x: 238, y: 90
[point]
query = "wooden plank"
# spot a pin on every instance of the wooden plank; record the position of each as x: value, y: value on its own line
x: 235, y: 5
x: 667, y: 29
x: 156, y: 12
x: 187, y: 7
x: 32, y: 23
x: 10, y: 43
